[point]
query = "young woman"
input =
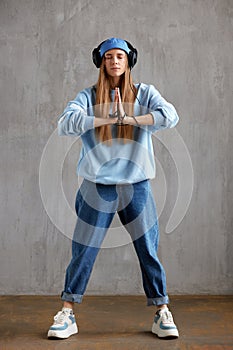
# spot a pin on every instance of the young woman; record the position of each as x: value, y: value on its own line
x: 115, y: 119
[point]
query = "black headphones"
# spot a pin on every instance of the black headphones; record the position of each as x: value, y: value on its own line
x: 132, y: 55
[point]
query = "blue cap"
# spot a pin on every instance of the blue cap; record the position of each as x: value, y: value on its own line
x: 114, y: 43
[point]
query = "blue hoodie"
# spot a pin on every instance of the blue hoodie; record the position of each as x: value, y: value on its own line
x: 119, y: 162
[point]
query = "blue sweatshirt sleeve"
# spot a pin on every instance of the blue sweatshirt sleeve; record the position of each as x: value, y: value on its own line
x: 75, y: 120
x: 163, y: 112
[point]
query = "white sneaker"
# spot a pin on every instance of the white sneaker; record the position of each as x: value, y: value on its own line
x: 64, y: 325
x: 164, y: 325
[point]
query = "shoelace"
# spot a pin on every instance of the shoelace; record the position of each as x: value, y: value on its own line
x: 167, y: 317
x: 60, y: 316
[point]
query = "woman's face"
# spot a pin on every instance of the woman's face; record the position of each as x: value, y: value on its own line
x: 116, y: 61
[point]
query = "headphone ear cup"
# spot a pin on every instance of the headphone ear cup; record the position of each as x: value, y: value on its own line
x: 96, y: 57
x: 133, y: 58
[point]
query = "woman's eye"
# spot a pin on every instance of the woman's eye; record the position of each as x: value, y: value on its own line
x: 111, y: 57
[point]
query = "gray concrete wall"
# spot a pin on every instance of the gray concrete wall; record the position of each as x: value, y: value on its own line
x: 186, y: 50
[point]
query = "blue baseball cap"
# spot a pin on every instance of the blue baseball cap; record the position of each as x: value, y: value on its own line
x: 114, y: 43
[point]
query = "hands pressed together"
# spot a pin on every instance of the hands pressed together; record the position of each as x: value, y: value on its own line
x: 119, y: 116
x: 118, y: 110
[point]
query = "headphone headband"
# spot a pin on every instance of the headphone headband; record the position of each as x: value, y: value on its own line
x: 132, y: 55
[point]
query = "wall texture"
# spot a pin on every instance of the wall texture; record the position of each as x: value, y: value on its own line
x: 186, y: 50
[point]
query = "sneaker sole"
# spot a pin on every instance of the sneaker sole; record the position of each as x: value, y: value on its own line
x: 66, y: 333
x: 171, y: 333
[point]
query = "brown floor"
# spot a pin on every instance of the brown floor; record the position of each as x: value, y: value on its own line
x: 117, y: 322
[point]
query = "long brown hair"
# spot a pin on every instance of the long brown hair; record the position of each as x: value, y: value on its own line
x: 103, y: 101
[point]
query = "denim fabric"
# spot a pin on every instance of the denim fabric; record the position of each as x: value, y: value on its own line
x: 96, y: 205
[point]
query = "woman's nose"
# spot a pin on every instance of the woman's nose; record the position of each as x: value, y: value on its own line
x: 115, y: 59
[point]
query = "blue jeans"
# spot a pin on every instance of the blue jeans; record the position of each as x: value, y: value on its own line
x: 96, y: 205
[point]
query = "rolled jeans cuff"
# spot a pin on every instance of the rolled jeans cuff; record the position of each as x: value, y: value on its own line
x: 72, y: 298
x: 158, y: 301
